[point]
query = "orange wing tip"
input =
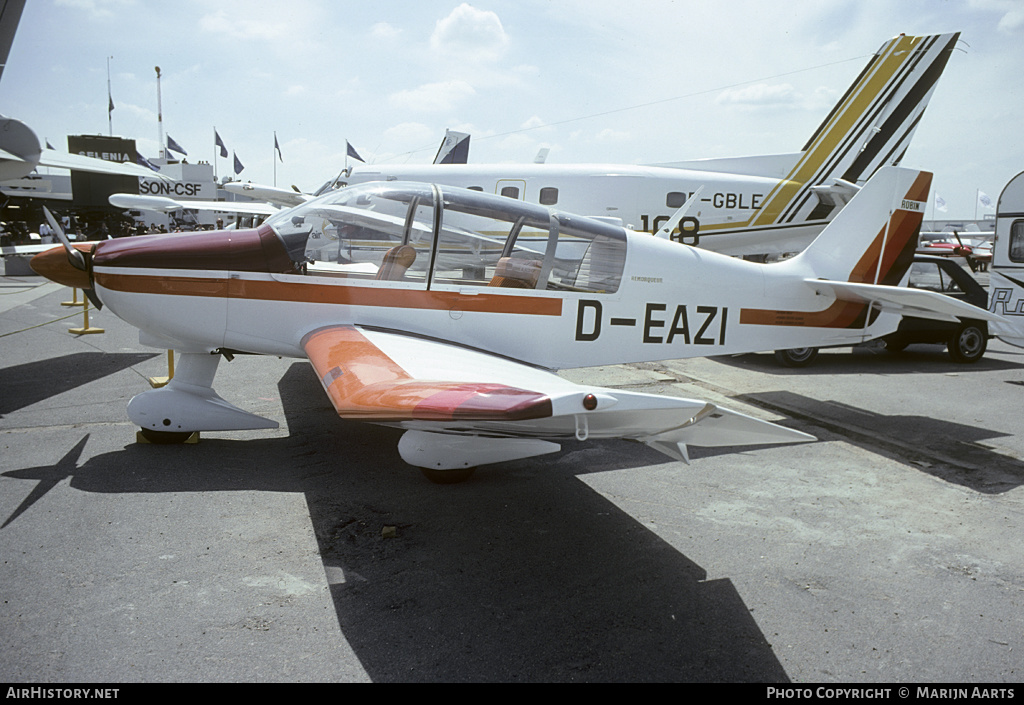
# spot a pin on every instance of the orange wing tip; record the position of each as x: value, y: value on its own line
x: 425, y: 401
x: 485, y: 402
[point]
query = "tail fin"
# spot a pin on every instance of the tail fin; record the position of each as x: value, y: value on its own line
x: 873, y: 239
x: 860, y: 259
x: 870, y: 127
x: 454, y: 148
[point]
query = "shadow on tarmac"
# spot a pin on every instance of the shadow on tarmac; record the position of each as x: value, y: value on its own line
x: 32, y: 382
x: 950, y: 451
x: 918, y: 358
x: 523, y: 573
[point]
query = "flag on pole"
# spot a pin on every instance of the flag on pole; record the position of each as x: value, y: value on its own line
x: 353, y: 153
x: 278, y: 148
x: 940, y: 203
x: 142, y: 161
x: 238, y: 164
x: 218, y: 142
x: 110, y: 104
x: 172, y: 145
x: 984, y: 200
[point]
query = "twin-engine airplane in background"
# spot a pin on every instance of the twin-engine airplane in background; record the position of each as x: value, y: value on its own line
x: 771, y: 204
x: 445, y: 312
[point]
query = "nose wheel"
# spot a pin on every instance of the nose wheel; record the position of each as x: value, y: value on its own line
x: 164, y: 438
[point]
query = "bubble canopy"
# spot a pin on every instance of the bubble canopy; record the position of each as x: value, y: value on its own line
x: 428, y: 235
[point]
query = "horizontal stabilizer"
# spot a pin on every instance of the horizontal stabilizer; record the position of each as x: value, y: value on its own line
x: 906, y: 301
x: 716, y: 427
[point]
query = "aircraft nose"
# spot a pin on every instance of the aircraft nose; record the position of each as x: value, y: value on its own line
x: 54, y: 265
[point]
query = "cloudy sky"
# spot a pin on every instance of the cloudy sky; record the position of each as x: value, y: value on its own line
x: 593, y: 80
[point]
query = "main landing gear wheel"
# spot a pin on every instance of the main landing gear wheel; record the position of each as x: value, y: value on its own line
x: 796, y: 357
x: 896, y: 344
x: 447, y: 477
x: 968, y: 344
x: 165, y: 437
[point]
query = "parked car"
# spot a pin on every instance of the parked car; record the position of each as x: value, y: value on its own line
x: 966, y: 341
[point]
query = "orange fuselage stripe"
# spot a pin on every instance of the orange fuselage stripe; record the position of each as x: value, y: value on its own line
x: 311, y: 292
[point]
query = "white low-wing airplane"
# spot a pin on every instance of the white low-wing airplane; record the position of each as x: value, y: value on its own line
x: 445, y: 311
x: 770, y: 204
x: 163, y: 204
x: 271, y: 194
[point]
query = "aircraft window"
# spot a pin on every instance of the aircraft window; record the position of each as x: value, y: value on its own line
x: 675, y: 199
x: 589, y: 256
x: 362, y: 232
x: 401, y: 232
x: 929, y: 276
x: 499, y: 244
x: 472, y: 243
x: 476, y: 188
x: 548, y: 196
x: 510, y: 191
x: 1017, y: 241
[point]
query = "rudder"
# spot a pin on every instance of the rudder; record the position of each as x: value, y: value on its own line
x: 873, y: 239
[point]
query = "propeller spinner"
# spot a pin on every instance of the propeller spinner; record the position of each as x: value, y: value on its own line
x: 69, y: 265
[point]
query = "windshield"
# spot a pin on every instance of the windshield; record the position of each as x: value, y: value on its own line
x: 437, y: 236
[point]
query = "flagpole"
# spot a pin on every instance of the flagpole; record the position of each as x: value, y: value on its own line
x: 215, y: 150
x: 273, y: 158
x: 160, y: 116
x: 977, y: 197
x: 110, y: 101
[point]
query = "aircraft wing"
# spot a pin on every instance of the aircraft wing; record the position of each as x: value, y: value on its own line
x: 276, y: 196
x: 162, y: 204
x: 449, y: 394
x: 906, y: 301
x: 65, y: 160
x: 25, y: 249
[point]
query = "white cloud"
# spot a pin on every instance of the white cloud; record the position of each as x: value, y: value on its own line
x: 535, y: 123
x: 471, y: 33
x: 759, y: 95
x: 609, y: 135
x: 1012, y: 21
x: 383, y: 30
x: 408, y: 132
x: 433, y: 97
x: 241, y: 27
x: 98, y: 8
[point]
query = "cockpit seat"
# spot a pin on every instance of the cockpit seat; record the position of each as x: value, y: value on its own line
x: 396, y: 262
x: 514, y: 273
